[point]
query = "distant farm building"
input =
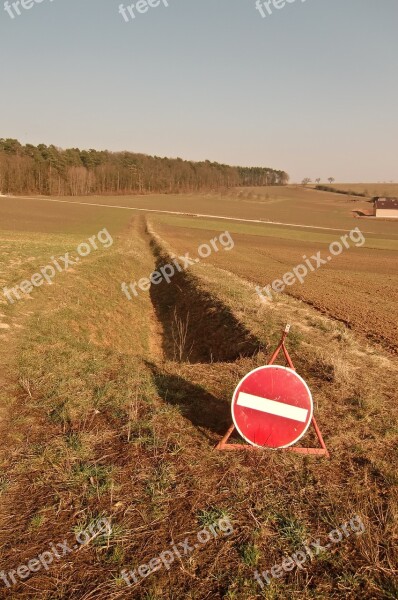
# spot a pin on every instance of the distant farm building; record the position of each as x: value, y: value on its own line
x: 386, y: 208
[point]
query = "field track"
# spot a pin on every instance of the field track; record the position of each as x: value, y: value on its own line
x: 185, y: 214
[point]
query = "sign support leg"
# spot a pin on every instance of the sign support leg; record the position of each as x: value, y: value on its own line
x: 322, y: 451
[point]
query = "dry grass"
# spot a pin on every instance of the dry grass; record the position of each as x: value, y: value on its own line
x: 109, y: 424
x: 358, y: 287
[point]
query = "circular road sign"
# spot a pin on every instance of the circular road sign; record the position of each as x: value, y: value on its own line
x: 272, y: 407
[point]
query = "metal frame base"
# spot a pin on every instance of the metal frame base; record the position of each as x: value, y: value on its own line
x: 322, y: 451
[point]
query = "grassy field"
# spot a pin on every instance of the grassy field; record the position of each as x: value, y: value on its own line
x: 369, y: 189
x: 111, y: 408
x: 290, y: 204
x: 357, y: 287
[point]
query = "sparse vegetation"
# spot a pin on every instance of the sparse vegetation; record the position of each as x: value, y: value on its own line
x: 104, y: 420
x: 328, y: 188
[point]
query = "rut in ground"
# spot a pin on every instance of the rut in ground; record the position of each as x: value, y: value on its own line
x: 201, y: 341
x: 197, y: 327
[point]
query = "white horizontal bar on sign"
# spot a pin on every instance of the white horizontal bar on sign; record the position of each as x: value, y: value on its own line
x: 272, y: 407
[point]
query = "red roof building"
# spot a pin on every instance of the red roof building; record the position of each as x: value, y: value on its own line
x: 386, y: 208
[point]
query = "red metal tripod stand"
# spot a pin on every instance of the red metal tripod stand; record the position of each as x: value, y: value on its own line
x: 322, y: 451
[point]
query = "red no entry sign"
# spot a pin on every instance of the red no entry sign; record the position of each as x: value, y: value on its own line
x: 272, y: 406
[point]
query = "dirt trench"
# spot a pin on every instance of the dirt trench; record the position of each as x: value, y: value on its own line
x: 197, y: 327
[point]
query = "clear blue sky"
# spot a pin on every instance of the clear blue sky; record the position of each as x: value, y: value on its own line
x: 312, y: 88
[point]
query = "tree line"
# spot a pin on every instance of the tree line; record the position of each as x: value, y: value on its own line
x: 48, y: 170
